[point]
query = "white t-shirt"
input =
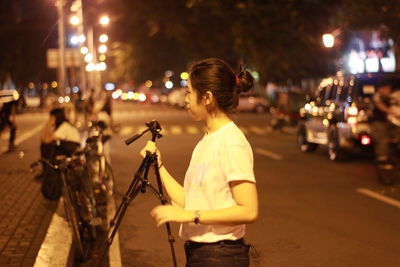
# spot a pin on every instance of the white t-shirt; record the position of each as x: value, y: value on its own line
x: 68, y: 132
x: 219, y: 158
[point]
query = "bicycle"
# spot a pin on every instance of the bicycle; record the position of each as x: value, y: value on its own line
x: 99, y: 168
x: 79, y: 201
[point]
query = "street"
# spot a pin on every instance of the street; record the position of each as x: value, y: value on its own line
x: 313, y: 212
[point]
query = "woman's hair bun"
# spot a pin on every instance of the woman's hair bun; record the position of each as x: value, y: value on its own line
x: 244, y: 81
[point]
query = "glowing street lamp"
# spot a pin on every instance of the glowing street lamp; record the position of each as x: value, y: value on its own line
x: 103, y: 38
x: 84, y: 50
x: 104, y: 20
x: 74, y: 20
x: 329, y: 40
x: 102, y: 49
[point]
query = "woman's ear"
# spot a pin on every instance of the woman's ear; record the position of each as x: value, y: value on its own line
x: 208, y: 98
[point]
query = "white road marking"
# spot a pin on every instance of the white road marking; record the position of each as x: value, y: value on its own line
x: 55, y: 248
x: 127, y: 130
x: 258, y: 130
x: 192, y: 130
x: 26, y: 135
x: 379, y: 197
x: 114, y: 253
x: 268, y: 154
x: 175, y: 130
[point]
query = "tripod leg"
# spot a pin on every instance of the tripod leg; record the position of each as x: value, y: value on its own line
x: 135, y: 181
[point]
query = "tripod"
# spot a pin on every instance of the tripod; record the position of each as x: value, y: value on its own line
x: 139, y: 184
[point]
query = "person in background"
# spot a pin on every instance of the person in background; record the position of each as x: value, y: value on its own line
x: 219, y: 195
x: 8, y: 119
x: 58, y: 129
x: 381, y: 128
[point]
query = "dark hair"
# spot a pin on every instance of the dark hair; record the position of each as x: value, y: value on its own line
x: 59, y: 115
x: 216, y: 76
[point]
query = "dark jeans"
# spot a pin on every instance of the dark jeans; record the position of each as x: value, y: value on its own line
x: 219, y: 254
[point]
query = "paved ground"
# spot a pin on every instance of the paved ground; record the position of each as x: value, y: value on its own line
x: 24, y: 214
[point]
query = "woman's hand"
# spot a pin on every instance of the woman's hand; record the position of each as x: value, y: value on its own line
x: 168, y: 213
x: 152, y: 148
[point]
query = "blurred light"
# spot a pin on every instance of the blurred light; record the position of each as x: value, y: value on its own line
x: 184, y: 83
x: 68, y: 90
x: 75, y: 6
x: 101, y: 66
x: 148, y: 83
x: 102, y: 57
x: 31, y: 85
x: 184, y: 75
x: 328, y: 40
x: 372, y: 64
x: 255, y: 75
x: 61, y: 100
x: 102, y: 49
x: 352, y: 120
x: 82, y: 38
x: 168, y: 73
x: 103, y: 38
x: 365, y: 140
x: 169, y: 84
x: 307, y: 107
x: 74, y: 40
x: 109, y: 86
x: 155, y: 98
x: 75, y: 89
x: 115, y: 95
x: 104, y: 20
x: 53, y: 84
x: 119, y: 92
x: 352, y: 111
x: 67, y: 99
x: 130, y: 95
x: 88, y: 57
x: 74, y: 20
x: 124, y: 96
x: 84, y: 50
x: 355, y: 63
x: 142, y: 97
x: 163, y: 98
x: 90, y: 67
x: 165, y: 79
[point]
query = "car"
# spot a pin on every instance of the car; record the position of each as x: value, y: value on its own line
x: 339, y: 114
x: 253, y: 103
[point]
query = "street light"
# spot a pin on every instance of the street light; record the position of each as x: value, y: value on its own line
x: 104, y: 20
x: 329, y: 40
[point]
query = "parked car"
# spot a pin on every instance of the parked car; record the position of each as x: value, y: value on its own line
x: 254, y: 103
x: 339, y: 114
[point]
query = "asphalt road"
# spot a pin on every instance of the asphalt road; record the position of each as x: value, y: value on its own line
x: 313, y: 212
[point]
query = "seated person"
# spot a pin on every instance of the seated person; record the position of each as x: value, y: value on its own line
x: 59, y: 136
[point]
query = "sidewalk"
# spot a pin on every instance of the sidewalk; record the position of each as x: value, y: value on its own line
x: 24, y: 215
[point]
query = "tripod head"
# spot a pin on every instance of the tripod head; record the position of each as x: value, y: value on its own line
x: 152, y: 126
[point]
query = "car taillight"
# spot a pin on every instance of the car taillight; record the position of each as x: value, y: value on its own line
x: 365, y: 140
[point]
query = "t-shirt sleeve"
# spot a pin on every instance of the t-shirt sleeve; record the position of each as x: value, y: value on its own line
x: 236, y: 162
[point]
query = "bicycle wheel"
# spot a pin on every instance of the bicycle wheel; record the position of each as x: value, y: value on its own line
x: 108, y: 180
x: 73, y: 219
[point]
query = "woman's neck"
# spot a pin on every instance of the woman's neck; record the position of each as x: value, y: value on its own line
x: 216, y: 121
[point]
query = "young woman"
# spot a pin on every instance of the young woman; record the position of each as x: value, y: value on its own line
x: 219, y: 195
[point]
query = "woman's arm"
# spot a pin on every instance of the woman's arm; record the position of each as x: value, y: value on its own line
x: 172, y: 187
x: 246, y: 210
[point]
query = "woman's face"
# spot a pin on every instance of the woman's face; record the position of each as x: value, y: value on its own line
x: 196, y: 109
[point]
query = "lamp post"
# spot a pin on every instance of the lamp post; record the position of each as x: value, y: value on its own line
x: 61, y: 46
